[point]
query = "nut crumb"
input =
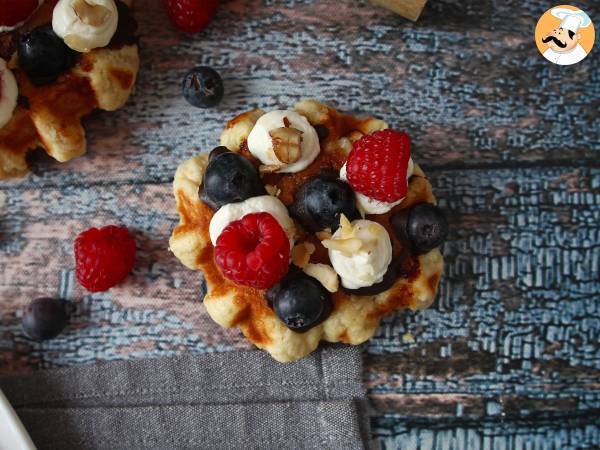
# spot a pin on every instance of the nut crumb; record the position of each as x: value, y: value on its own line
x: 325, y: 275
x: 301, y: 254
x: 269, y: 168
x: 272, y: 190
x: 322, y: 235
x: 408, y: 338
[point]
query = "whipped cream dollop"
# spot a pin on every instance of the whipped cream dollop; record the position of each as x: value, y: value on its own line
x: 8, y: 93
x: 370, y: 205
x: 296, y: 156
x: 360, y: 252
x: 235, y: 211
x: 85, y: 24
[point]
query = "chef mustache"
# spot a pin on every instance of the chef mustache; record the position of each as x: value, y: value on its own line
x: 556, y: 41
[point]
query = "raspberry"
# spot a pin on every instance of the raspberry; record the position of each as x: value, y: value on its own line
x: 253, y: 251
x: 378, y: 163
x: 104, y: 257
x: 191, y: 16
x: 13, y: 12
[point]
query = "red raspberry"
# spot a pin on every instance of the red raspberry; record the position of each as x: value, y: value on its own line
x: 13, y: 12
x: 104, y: 257
x: 378, y: 163
x: 191, y: 16
x: 253, y: 251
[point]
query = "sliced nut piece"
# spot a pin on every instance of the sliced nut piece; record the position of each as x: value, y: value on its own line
x: 371, y: 125
x: 269, y: 168
x: 325, y: 275
x: 322, y: 235
x: 91, y: 14
x: 354, y: 136
x: 301, y: 254
x: 287, y: 143
x: 345, y: 145
x: 346, y: 226
x: 408, y: 338
x: 347, y: 246
x: 272, y: 190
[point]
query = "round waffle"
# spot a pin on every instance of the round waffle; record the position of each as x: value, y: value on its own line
x: 354, y: 318
x: 49, y: 116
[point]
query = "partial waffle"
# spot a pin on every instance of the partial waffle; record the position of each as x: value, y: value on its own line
x: 354, y: 318
x: 49, y: 116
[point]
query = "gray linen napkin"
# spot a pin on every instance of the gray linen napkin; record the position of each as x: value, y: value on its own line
x: 218, y: 401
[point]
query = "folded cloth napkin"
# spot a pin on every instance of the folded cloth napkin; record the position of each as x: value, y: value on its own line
x: 241, y: 400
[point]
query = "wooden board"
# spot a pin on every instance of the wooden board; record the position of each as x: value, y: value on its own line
x: 508, y: 357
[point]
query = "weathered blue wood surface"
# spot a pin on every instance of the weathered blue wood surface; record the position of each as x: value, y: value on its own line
x: 508, y: 357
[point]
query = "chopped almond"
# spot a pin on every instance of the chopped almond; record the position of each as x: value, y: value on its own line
x: 94, y: 15
x: 286, y: 144
x: 325, y: 275
x: 346, y: 226
x: 269, y: 168
x: 348, y: 246
x: 301, y: 254
x: 272, y: 190
x: 354, y: 136
x: 322, y: 235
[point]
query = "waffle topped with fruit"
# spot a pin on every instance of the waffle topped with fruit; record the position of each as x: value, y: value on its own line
x: 308, y: 225
x: 59, y: 61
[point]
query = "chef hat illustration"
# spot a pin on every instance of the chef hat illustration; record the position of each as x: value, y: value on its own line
x: 571, y: 19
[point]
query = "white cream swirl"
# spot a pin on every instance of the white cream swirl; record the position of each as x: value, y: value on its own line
x: 85, y: 24
x: 360, y: 254
x: 370, y: 205
x: 260, y: 142
x: 8, y: 93
x: 235, y: 211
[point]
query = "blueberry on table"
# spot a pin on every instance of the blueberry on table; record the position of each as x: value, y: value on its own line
x: 45, y: 318
x: 203, y: 87
x: 320, y: 202
x: 43, y: 56
x: 300, y: 301
x: 422, y: 227
x: 230, y: 178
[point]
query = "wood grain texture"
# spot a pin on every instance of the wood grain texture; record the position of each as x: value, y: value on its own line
x: 508, y: 357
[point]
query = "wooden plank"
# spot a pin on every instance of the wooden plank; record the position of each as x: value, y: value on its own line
x: 509, y: 141
x: 468, y: 96
x: 565, y: 432
x: 516, y: 321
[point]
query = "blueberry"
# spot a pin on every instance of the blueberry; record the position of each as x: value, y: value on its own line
x: 422, y: 227
x: 203, y: 87
x: 300, y: 301
x: 45, y: 318
x: 230, y: 178
x: 43, y: 56
x: 217, y: 151
x: 319, y: 203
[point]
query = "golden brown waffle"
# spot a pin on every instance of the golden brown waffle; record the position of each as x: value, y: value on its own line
x: 50, y: 116
x: 354, y: 318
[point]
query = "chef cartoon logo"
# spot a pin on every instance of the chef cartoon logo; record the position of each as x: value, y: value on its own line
x: 564, y: 35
